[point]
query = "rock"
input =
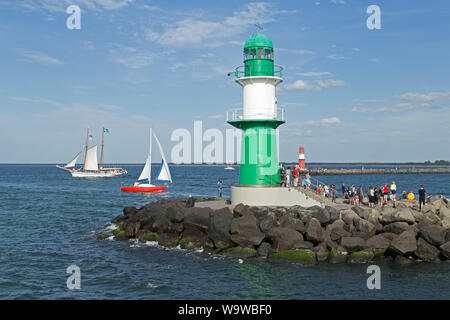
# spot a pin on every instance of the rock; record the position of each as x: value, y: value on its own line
x: 353, y: 243
x: 334, y: 213
x: 161, y: 224
x: 321, y: 252
x: 238, y: 209
x: 264, y: 249
x: 432, y: 233
x: 403, y: 260
x: 432, y: 218
x: 349, y: 216
x: 175, y: 215
x: 397, y: 227
x: 338, y: 255
x: 197, y: 216
x: 320, y: 214
x: 303, y: 256
x: 389, y: 236
x: 240, y: 252
x: 219, y: 227
x: 292, y: 223
x: 285, y: 238
x: 338, y: 232
x: 245, y: 232
x: 445, y: 249
x: 131, y: 228
x: 129, y: 211
x: 360, y: 256
x: 405, y: 243
x: 362, y: 212
x: 403, y: 215
x: 426, y: 251
x: 444, y: 212
x: 366, y: 227
x: 314, y: 231
x: 378, y: 242
x: 192, y: 234
x: 446, y: 223
x: 374, y: 217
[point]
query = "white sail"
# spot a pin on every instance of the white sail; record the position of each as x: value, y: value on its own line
x: 72, y: 162
x: 164, y: 172
x: 91, y: 159
x: 146, y: 174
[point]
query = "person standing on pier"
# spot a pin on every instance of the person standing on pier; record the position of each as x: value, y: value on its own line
x: 371, y: 194
x: 360, y: 195
x: 385, y: 193
x: 288, y: 177
x: 296, y: 172
x: 219, y: 188
x: 344, y: 191
x: 283, y: 175
x: 422, y: 195
x: 393, y: 191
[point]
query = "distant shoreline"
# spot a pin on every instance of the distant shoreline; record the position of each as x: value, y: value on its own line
x: 311, y: 164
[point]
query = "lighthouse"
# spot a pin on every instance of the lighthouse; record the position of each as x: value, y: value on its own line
x: 260, y: 116
x: 301, y: 158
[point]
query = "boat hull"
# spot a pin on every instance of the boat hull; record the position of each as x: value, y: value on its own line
x: 101, y: 174
x: 154, y: 189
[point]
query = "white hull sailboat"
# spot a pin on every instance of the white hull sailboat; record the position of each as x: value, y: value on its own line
x: 143, y: 184
x: 91, y: 168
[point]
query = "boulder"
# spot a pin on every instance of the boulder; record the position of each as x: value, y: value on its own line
x: 264, y: 249
x: 348, y: 216
x: 338, y: 232
x: 432, y: 233
x: 314, y: 231
x: 366, y: 227
x: 197, y: 216
x: 363, y: 213
x: 285, y: 238
x: 219, y: 227
x: 401, y: 260
x: 131, y: 228
x: 374, y: 218
x: 444, y: 212
x: 338, y: 255
x: 363, y: 256
x: 334, y: 213
x: 397, y: 227
x: 432, y: 219
x: 129, y: 211
x: 445, y: 249
x: 320, y: 214
x: 426, y: 251
x: 378, y: 242
x: 245, y: 232
x: 175, y: 215
x: 404, y: 244
x: 446, y: 223
x: 292, y: 223
x: 402, y: 215
x: 353, y: 243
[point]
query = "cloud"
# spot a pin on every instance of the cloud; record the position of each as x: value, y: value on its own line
x: 330, y: 83
x: 323, y: 122
x: 337, y: 1
x: 133, y: 58
x: 295, y: 51
x: 38, y: 57
x: 299, y: 85
x: 316, y: 74
x: 195, y: 31
x: 61, y: 5
x: 335, y: 56
x: 420, y: 97
x: 400, y: 107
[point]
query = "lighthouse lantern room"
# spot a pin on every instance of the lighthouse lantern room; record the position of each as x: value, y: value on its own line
x: 260, y: 115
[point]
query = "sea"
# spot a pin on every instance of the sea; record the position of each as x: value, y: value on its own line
x: 50, y: 221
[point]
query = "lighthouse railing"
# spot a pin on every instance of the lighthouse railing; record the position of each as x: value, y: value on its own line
x: 238, y: 114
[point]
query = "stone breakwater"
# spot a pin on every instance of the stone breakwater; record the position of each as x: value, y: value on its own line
x: 334, y: 234
x: 331, y: 172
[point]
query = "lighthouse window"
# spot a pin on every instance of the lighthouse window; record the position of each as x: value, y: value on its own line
x: 252, y: 54
x: 268, y: 54
x: 260, y: 53
x: 245, y: 54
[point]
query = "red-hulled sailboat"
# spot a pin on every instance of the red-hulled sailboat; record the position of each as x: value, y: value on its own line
x: 143, y: 184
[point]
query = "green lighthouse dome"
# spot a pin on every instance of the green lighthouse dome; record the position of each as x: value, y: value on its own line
x: 258, y: 56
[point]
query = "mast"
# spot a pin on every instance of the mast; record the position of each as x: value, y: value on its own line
x: 150, y: 155
x: 85, y: 151
x: 101, y: 154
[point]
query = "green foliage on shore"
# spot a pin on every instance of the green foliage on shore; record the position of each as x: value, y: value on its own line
x: 297, y: 255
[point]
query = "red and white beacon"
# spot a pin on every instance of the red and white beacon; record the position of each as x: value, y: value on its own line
x: 301, y: 158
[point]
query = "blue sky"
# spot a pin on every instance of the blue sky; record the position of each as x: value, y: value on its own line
x: 350, y: 93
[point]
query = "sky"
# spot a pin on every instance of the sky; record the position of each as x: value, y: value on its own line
x: 350, y: 93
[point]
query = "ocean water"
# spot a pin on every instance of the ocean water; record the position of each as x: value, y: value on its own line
x: 49, y: 221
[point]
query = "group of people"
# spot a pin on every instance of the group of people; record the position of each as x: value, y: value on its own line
x: 290, y: 177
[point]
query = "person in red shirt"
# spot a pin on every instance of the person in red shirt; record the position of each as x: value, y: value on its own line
x: 385, y: 193
x: 296, y: 173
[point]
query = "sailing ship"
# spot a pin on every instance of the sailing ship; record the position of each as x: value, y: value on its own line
x: 143, y: 184
x: 91, y: 168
